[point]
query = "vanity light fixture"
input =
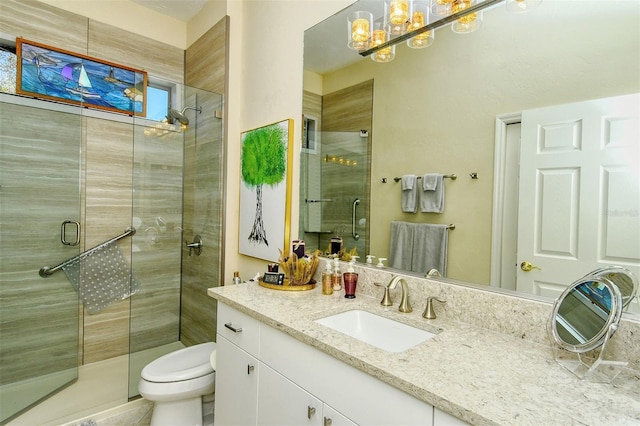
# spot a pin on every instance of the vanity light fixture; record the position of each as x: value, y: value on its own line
x: 519, y: 6
x: 360, y: 24
x: 468, y: 23
x: 409, y: 20
x: 420, y: 18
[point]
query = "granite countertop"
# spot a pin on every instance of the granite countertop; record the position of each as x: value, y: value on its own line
x: 478, y: 375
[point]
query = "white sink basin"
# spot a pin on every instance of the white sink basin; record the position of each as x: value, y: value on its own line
x: 381, y: 332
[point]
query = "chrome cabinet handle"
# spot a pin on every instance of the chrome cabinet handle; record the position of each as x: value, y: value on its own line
x: 232, y: 328
x: 250, y: 368
x: 328, y: 421
x: 310, y: 411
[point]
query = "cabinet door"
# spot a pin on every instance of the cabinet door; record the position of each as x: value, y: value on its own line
x: 236, y: 385
x: 440, y: 418
x: 282, y: 402
x: 330, y: 417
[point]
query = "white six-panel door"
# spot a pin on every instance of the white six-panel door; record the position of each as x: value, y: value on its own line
x: 579, y: 192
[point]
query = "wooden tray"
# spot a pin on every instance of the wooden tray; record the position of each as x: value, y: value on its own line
x: 287, y: 287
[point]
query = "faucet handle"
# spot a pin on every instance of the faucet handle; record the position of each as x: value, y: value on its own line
x: 429, y: 313
x: 386, y: 299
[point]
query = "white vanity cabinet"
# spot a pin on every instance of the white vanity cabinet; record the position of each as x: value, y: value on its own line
x: 237, y: 368
x: 236, y: 385
x: 282, y: 402
x: 266, y: 377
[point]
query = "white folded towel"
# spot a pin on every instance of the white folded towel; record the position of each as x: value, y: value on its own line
x: 409, y: 193
x: 432, y: 197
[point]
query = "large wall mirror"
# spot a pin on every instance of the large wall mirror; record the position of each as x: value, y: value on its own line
x: 442, y: 109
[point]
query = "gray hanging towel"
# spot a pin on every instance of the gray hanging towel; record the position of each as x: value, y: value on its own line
x: 101, y: 277
x: 401, y: 245
x: 432, y: 197
x: 430, y: 246
x: 418, y: 247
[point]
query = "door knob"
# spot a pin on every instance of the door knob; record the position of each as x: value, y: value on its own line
x: 526, y: 266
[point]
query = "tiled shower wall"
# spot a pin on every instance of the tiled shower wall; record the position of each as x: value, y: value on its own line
x: 205, y: 68
x: 108, y: 148
x: 347, y: 110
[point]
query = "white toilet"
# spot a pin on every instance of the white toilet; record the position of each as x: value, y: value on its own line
x: 176, y: 383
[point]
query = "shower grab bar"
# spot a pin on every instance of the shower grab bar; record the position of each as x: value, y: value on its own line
x: 353, y: 218
x: 321, y: 200
x: 46, y: 271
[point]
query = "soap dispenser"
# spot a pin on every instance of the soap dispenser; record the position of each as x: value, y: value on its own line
x: 350, y: 268
x: 327, y: 279
x: 337, y: 277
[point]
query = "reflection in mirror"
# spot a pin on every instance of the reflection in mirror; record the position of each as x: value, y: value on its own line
x: 435, y: 111
x: 584, y: 318
x: 584, y: 314
x: 626, y: 282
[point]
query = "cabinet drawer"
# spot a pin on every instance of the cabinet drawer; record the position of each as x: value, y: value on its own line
x: 239, y: 328
x: 362, y: 397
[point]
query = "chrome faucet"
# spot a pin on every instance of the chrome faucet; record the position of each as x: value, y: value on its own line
x: 405, y: 305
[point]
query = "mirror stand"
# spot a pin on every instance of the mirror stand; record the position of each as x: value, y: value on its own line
x: 592, y: 366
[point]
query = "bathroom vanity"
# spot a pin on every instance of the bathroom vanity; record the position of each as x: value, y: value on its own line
x: 277, y: 365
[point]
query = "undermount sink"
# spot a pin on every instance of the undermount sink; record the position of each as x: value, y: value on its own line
x: 381, y: 332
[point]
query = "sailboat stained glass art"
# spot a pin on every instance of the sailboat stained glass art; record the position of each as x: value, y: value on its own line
x: 47, y: 72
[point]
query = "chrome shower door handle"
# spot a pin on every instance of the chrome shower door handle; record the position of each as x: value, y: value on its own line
x: 353, y: 218
x: 63, y: 233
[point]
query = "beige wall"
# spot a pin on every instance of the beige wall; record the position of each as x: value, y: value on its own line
x: 265, y: 86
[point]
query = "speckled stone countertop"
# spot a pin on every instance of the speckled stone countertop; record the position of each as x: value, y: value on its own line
x: 478, y: 375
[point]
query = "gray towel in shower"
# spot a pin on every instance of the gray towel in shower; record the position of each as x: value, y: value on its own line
x: 101, y: 277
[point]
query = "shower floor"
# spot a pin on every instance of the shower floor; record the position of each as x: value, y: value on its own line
x: 101, y: 387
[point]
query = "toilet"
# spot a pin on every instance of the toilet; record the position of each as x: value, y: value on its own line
x: 176, y: 383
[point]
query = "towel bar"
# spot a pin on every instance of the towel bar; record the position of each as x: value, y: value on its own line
x: 452, y: 176
x: 45, y: 271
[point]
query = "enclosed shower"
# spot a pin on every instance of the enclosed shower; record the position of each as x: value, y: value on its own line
x: 72, y: 179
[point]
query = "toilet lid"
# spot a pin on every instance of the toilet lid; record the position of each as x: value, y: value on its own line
x: 184, y: 364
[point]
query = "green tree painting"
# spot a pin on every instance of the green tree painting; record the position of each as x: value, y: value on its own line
x: 264, y: 162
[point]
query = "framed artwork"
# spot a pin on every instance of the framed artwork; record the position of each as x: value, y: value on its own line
x: 47, y: 72
x: 265, y: 190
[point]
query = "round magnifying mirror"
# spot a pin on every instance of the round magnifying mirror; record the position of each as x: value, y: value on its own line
x: 586, y: 312
x: 621, y: 277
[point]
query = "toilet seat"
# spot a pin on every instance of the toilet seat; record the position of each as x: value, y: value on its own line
x: 184, y: 364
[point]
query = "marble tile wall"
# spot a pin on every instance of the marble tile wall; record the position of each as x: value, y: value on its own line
x: 37, y: 195
x: 206, y: 64
x: 108, y: 168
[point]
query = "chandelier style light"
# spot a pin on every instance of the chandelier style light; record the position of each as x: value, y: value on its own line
x: 416, y: 21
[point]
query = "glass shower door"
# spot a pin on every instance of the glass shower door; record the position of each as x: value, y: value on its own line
x: 39, y: 190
